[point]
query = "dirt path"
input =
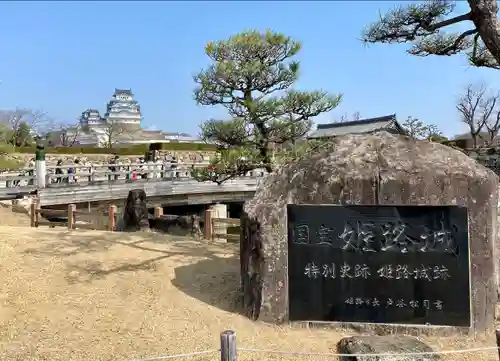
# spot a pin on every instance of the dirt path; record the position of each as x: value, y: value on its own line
x: 90, y: 295
x: 9, y: 218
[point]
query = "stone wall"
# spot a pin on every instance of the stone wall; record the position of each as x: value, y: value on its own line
x: 489, y: 157
x: 182, y: 156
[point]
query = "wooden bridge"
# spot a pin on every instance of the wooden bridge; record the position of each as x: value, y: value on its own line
x: 97, y: 183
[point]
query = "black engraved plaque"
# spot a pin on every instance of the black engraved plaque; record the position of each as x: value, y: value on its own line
x: 379, y: 264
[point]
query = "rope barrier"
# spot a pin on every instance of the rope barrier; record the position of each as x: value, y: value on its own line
x: 181, y: 355
x: 427, y: 353
x: 291, y: 353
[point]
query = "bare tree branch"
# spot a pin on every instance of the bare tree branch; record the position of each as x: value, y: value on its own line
x: 491, y: 115
x: 112, y: 133
x: 471, y: 106
x: 68, y: 134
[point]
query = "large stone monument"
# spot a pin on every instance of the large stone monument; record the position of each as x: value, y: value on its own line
x: 375, y: 169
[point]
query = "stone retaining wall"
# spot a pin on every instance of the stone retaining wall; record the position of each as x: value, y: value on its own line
x: 489, y: 157
x: 182, y: 157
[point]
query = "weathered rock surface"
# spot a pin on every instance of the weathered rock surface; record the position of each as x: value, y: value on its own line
x: 177, y: 225
x: 135, y: 215
x: 378, y: 168
x: 384, y: 345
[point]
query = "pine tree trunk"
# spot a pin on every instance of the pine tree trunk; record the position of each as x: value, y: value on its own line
x: 484, y: 14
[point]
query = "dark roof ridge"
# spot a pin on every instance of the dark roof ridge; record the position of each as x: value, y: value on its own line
x: 357, y: 122
x: 123, y: 91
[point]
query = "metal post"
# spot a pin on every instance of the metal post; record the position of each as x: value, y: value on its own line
x: 228, y: 346
x: 40, y: 167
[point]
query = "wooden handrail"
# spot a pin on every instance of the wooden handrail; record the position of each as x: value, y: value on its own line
x: 124, y: 171
x: 228, y: 221
x: 71, y: 213
x: 210, y: 220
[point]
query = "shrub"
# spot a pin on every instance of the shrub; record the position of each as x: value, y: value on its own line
x: 6, y: 148
x: 10, y: 164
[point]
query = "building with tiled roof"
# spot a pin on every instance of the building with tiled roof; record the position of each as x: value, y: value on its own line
x: 369, y: 125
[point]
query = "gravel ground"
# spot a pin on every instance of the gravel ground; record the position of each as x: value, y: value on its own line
x: 9, y: 218
x: 91, y: 295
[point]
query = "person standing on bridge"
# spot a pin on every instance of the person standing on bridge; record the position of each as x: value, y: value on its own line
x: 59, y: 171
x: 75, y: 170
x: 114, y: 168
x: 173, y: 166
x: 71, y: 174
x: 31, y: 172
x: 117, y: 167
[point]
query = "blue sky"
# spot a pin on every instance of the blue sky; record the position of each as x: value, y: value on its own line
x: 64, y: 57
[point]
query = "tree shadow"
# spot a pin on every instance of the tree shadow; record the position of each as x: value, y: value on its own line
x: 15, y: 207
x: 71, y: 243
x: 96, y: 270
x: 214, y: 281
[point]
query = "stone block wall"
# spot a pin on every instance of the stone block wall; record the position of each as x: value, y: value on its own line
x: 182, y: 157
x: 488, y: 157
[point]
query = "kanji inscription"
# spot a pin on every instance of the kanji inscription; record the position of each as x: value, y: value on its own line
x: 382, y: 264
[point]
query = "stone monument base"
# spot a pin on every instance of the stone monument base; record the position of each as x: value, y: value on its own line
x: 388, y: 329
x: 397, y: 345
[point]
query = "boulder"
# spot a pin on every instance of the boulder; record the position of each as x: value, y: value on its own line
x: 135, y: 215
x: 379, y: 168
x: 178, y: 225
x: 399, y: 345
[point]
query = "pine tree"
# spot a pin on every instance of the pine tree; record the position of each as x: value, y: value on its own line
x: 251, y: 76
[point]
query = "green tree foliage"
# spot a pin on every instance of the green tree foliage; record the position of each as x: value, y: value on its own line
x: 21, y: 136
x: 433, y: 134
x: 415, y: 128
x: 426, y: 26
x: 419, y: 130
x: 18, y: 126
x: 5, y: 134
x: 251, y: 76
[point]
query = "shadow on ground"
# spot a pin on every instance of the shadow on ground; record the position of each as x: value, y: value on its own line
x: 214, y: 281
x: 79, y: 248
x: 69, y: 243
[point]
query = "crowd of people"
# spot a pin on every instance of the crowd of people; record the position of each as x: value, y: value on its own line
x: 82, y: 170
x: 116, y: 169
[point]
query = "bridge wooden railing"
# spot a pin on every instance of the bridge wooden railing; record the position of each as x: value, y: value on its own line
x: 101, y: 172
x: 211, y: 222
x: 212, y: 229
x: 72, y: 215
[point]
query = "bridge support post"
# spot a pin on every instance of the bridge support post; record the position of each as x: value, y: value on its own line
x: 40, y: 167
x: 158, y: 212
x: 208, y: 225
x: 219, y: 228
